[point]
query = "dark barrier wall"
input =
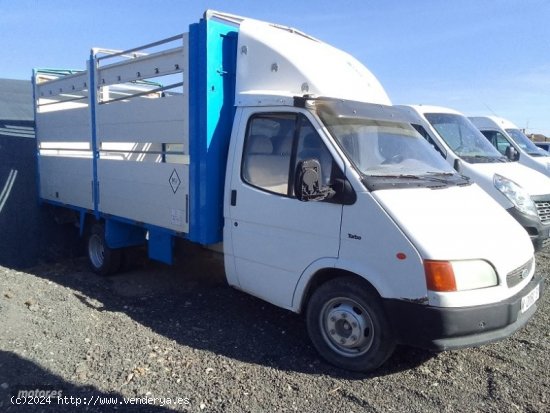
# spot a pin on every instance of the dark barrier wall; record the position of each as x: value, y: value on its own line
x: 28, y: 233
x: 19, y: 214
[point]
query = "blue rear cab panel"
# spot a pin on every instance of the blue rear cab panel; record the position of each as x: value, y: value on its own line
x: 212, y: 67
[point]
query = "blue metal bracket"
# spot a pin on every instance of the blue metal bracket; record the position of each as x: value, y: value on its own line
x: 160, y: 246
x: 120, y: 234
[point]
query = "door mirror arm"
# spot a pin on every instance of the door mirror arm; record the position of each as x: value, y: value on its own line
x: 344, y: 193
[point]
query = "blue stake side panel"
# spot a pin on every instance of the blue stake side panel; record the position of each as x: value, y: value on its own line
x: 212, y: 67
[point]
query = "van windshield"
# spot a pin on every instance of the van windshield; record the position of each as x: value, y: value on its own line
x: 464, y: 139
x: 525, y: 143
x: 384, y: 147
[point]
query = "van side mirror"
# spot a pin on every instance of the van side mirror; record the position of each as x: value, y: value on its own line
x: 457, y: 165
x: 511, y: 153
x: 308, y: 185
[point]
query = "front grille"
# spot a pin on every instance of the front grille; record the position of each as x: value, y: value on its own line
x: 543, y: 209
x: 519, y: 274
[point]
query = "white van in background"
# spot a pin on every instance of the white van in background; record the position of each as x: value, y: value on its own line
x: 523, y: 192
x: 512, y: 142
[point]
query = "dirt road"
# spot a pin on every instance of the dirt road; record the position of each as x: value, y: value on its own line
x: 159, y: 338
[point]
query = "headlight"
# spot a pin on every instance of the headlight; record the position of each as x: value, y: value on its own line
x: 516, y: 194
x: 459, y: 275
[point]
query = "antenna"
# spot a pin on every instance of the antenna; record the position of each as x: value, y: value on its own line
x: 490, y: 110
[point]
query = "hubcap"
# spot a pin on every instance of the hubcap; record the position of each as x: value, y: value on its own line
x: 96, y: 251
x: 347, y: 327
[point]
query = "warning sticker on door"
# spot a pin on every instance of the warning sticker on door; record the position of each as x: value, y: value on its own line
x: 176, y: 217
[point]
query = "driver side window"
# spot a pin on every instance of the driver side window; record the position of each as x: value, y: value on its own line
x: 275, y: 144
x: 310, y: 146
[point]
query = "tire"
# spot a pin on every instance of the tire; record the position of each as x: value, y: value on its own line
x: 103, y: 260
x: 348, y: 326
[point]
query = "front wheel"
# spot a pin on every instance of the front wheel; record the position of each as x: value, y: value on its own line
x: 103, y: 260
x: 348, y: 326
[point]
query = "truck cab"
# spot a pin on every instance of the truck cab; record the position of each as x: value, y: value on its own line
x: 523, y: 192
x: 509, y: 140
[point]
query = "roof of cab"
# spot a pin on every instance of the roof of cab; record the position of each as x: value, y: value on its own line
x: 422, y: 109
x: 488, y: 122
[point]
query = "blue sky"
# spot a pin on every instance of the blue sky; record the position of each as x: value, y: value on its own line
x: 479, y: 57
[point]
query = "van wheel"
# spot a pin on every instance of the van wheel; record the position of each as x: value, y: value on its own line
x: 103, y: 260
x: 348, y: 326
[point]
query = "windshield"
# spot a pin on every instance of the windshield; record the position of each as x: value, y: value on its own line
x: 525, y: 143
x: 464, y: 138
x: 384, y: 148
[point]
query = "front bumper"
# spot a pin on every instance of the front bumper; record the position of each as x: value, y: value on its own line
x: 538, y: 232
x: 441, y: 328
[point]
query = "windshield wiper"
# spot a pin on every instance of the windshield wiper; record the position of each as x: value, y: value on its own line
x: 440, y: 173
x: 487, y: 158
x: 423, y: 177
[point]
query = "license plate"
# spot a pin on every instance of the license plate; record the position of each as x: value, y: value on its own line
x: 530, y: 299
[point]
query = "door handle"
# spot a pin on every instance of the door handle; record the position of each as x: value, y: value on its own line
x: 233, y: 197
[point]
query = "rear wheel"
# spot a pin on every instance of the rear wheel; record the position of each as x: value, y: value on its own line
x: 103, y: 260
x: 348, y: 326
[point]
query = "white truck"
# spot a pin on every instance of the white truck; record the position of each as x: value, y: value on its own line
x: 509, y: 140
x: 523, y: 192
x: 286, y: 151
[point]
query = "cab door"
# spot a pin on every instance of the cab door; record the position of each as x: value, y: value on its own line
x: 273, y: 236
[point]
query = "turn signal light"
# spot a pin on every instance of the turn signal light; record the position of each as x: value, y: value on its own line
x: 439, y: 275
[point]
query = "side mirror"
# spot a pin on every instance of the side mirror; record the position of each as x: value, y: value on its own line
x: 512, y: 153
x: 308, y: 185
x: 457, y: 165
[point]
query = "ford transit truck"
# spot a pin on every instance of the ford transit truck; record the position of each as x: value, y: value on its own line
x: 285, y: 153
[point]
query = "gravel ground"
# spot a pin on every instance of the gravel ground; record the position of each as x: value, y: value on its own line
x: 165, y: 333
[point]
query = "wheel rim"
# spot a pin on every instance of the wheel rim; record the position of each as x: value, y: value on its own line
x: 96, y: 251
x: 347, y: 327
